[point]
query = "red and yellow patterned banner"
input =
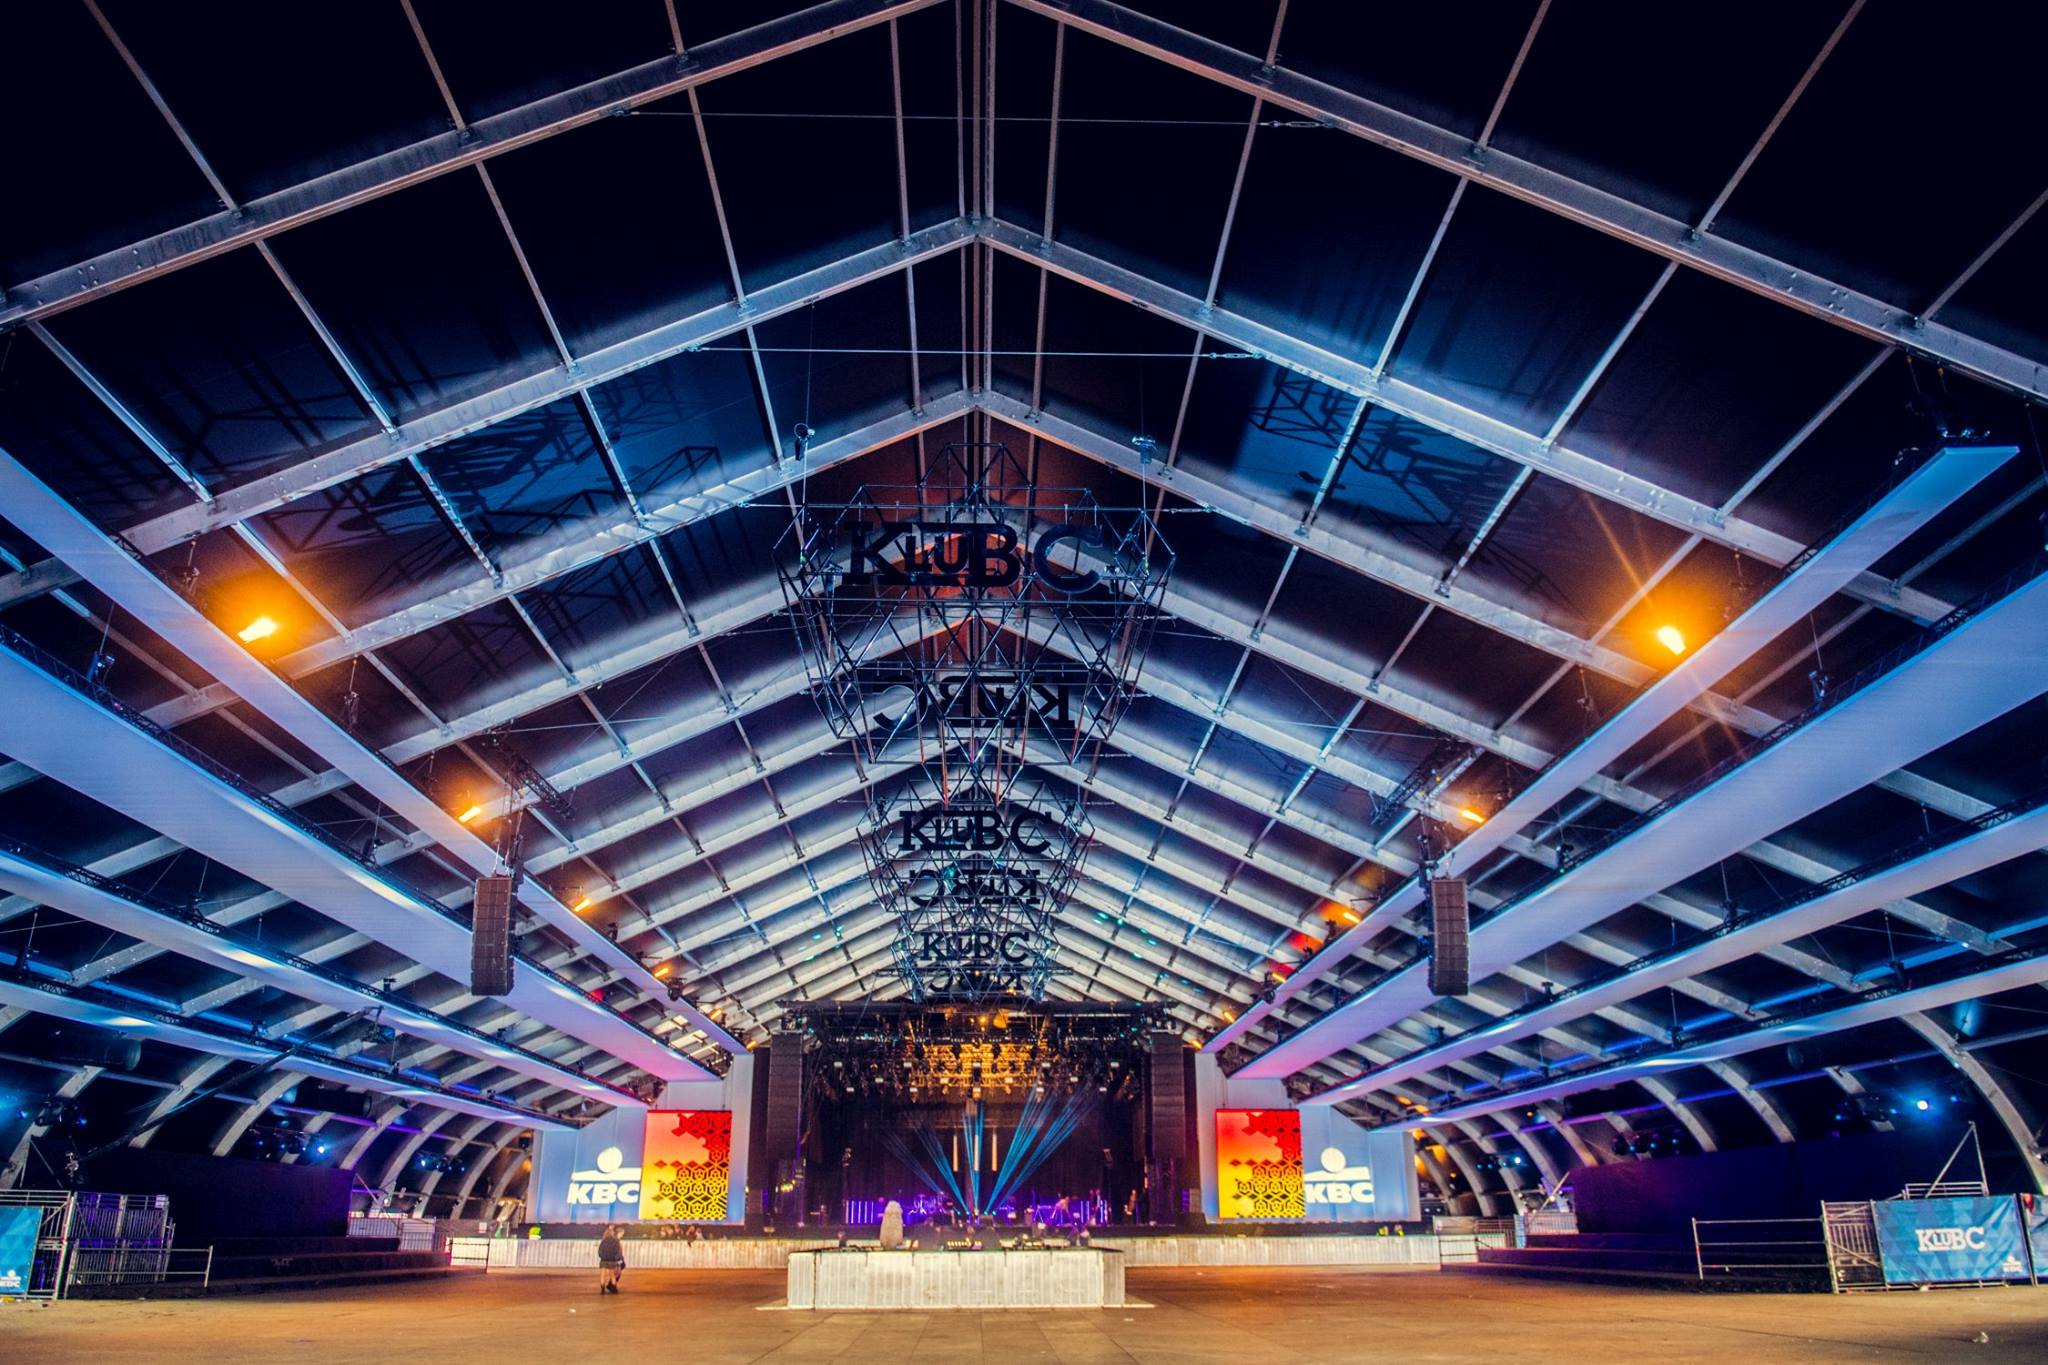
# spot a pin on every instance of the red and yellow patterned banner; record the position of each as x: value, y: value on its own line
x: 686, y: 1165
x: 1258, y: 1164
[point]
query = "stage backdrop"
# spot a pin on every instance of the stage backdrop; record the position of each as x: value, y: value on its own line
x: 1349, y: 1174
x: 686, y: 1165
x: 1258, y: 1164
x: 1354, y: 1174
x: 609, y: 1172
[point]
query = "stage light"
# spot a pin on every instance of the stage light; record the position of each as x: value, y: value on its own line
x: 262, y: 628
x: 1470, y: 816
x: 470, y: 816
x: 582, y: 904
x: 1672, y: 638
x: 664, y: 969
x: 1921, y: 1105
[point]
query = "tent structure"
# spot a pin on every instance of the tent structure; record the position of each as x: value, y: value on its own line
x: 1632, y: 507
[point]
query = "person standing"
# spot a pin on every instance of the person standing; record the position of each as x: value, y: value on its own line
x: 611, y: 1260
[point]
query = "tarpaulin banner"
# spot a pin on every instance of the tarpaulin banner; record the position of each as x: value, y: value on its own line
x: 686, y: 1164
x: 1935, y: 1241
x: 19, y: 1225
x: 1258, y: 1164
x: 591, y: 1175
x: 1352, y: 1174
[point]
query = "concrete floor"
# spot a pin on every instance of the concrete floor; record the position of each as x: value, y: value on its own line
x: 1304, y: 1316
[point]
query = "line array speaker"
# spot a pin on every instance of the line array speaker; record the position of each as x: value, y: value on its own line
x: 490, y: 938
x: 1169, y: 1097
x: 1450, y: 953
x: 784, y: 1124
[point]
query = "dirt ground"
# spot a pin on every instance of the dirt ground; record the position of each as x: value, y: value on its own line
x: 1296, y: 1316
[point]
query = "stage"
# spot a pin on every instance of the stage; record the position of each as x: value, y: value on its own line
x: 859, y: 1278
x: 735, y: 1253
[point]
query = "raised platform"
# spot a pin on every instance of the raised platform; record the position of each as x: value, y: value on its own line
x: 750, y: 1253
x: 854, y: 1278
x: 1629, y: 1258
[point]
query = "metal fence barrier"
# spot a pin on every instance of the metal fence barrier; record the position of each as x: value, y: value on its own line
x: 96, y: 1270
x: 1760, y: 1248
x: 53, y: 1240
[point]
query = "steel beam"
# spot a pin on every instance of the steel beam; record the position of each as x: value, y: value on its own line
x: 114, y: 570
x: 1530, y: 449
x: 2018, y: 971
x: 282, y: 971
x: 85, y: 746
x: 1637, y: 224
x: 1950, y: 475
x: 518, y: 393
x: 311, y: 200
x: 1976, y: 672
x: 134, y: 1020
x: 1963, y: 857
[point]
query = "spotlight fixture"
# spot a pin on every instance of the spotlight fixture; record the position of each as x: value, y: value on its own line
x: 262, y: 628
x: 1672, y: 638
x: 470, y: 816
x: 1470, y: 816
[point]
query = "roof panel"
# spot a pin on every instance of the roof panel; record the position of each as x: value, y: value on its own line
x: 1710, y: 385
x: 616, y: 219
x: 1263, y: 430
x: 1145, y: 162
x: 1329, y: 235
x: 370, y: 545
x: 1832, y: 171
x: 1643, y: 137
x: 423, y: 293
x: 1443, y: 63
x: 103, y: 169
x: 1517, y: 308
x: 219, y: 365
x: 304, y: 66
x: 823, y: 116
x: 498, y: 55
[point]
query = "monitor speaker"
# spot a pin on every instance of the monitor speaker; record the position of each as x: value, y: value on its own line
x: 490, y: 941
x: 1450, y: 954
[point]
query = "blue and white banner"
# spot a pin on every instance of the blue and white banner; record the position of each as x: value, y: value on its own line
x: 1936, y: 1241
x: 591, y: 1175
x: 1352, y: 1175
x: 19, y: 1225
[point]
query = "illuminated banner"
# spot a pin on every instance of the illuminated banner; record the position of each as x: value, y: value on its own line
x: 609, y: 1181
x: 18, y: 1229
x: 1353, y: 1174
x: 1258, y: 1165
x: 1932, y: 1241
x: 591, y: 1175
x: 686, y: 1164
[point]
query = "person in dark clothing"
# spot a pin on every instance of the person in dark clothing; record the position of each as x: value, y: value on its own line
x: 611, y: 1261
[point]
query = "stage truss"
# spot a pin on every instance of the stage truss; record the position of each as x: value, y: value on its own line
x: 972, y: 623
